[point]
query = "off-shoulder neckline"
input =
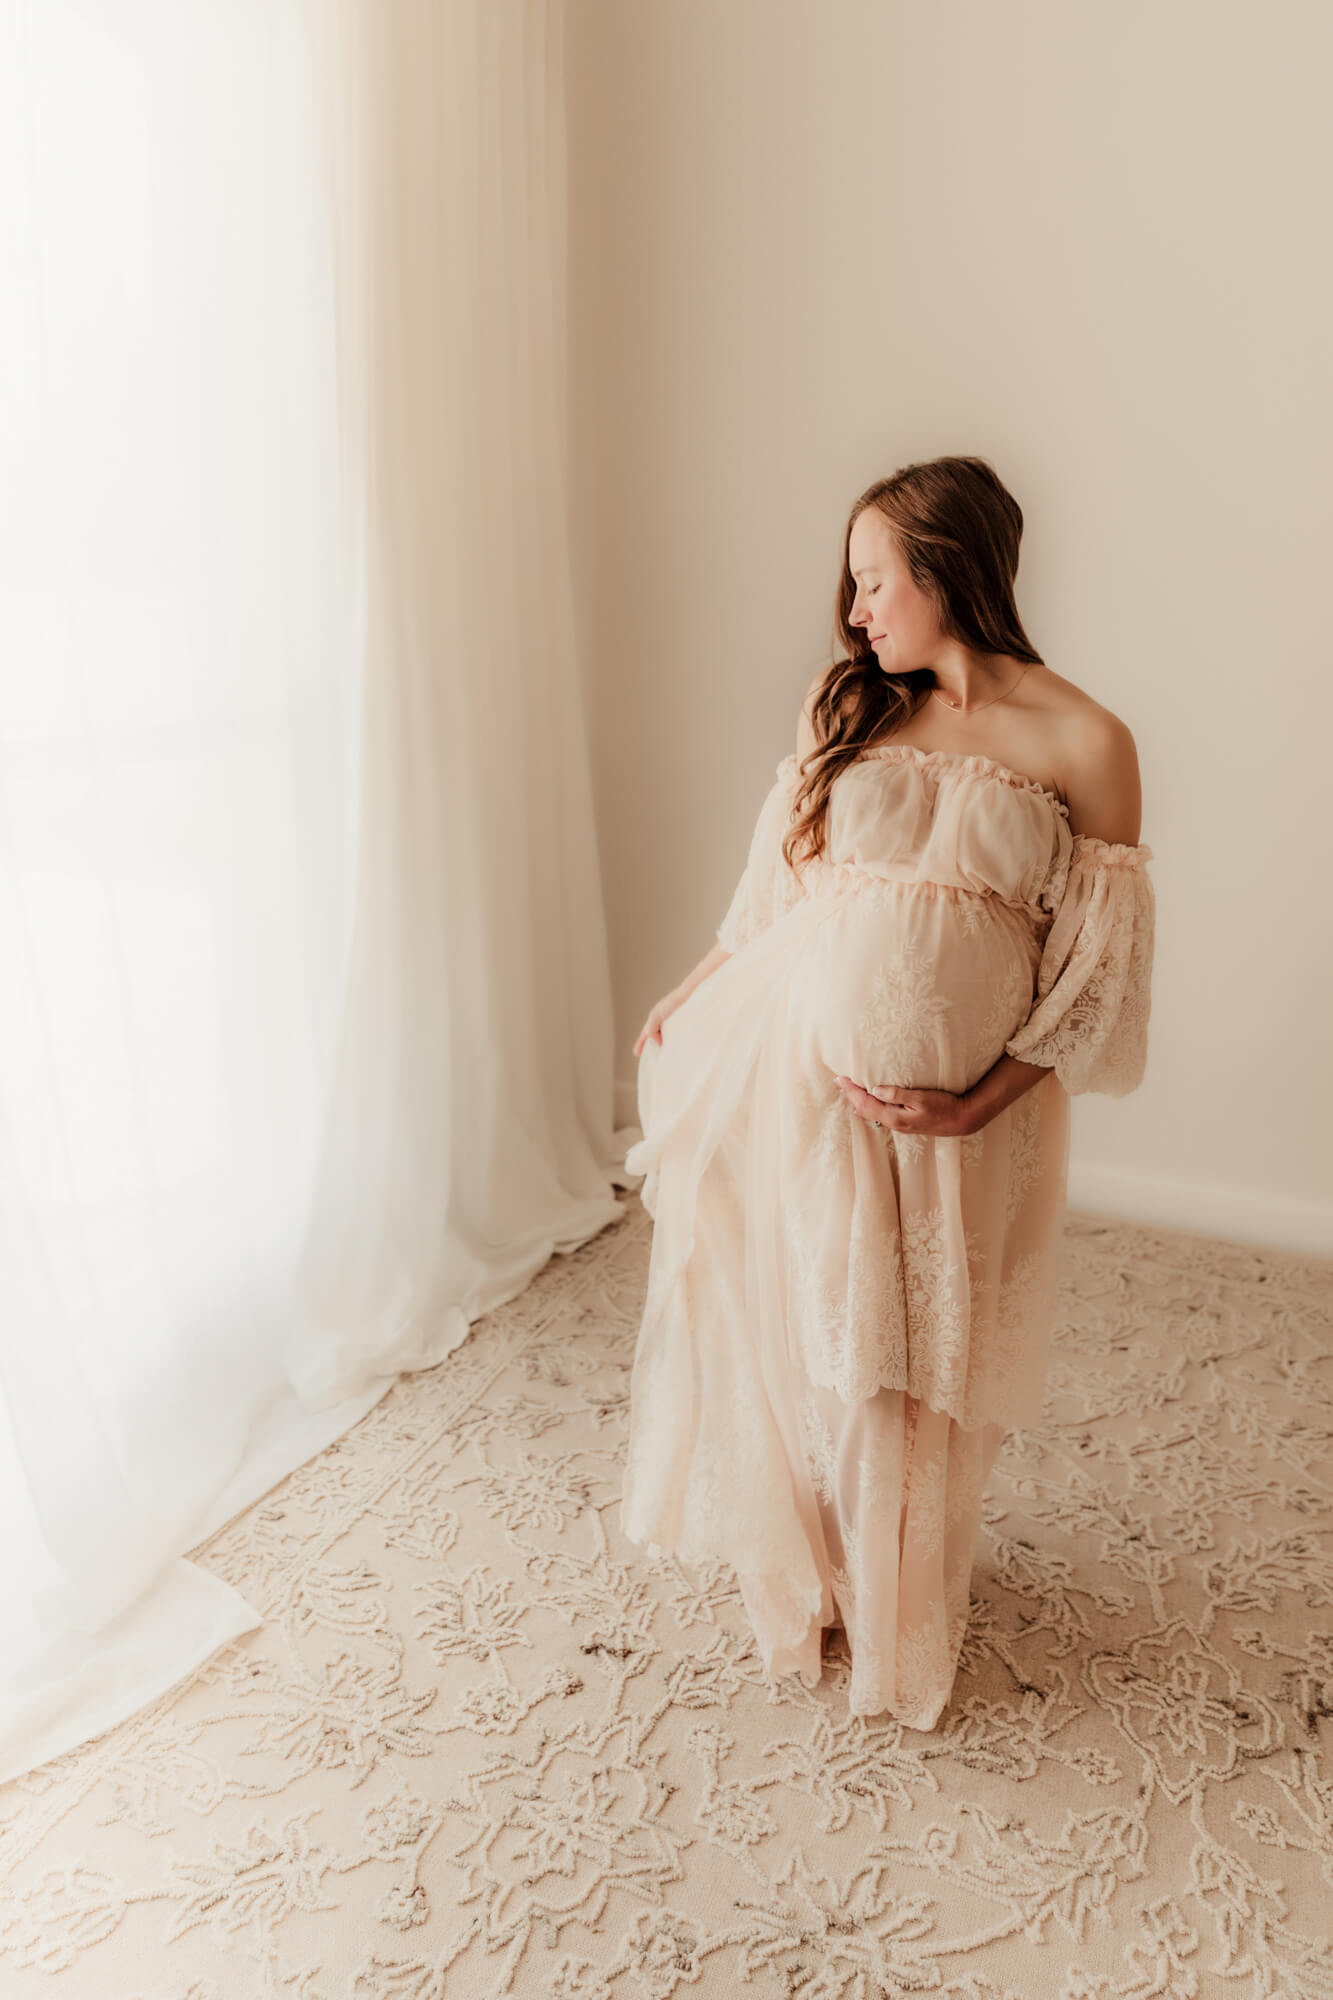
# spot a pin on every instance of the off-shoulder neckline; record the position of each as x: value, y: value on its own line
x: 989, y: 766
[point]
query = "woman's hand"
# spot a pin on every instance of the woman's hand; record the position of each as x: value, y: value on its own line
x: 662, y: 1011
x: 931, y: 1114
x: 707, y: 966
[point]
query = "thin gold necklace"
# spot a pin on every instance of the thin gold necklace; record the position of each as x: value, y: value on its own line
x: 956, y: 708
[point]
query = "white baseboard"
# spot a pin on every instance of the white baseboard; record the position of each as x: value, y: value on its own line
x: 1238, y: 1215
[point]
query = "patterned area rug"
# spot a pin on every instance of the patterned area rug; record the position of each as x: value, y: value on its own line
x: 481, y: 1747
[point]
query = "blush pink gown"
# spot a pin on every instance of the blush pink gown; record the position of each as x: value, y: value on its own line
x: 841, y: 1321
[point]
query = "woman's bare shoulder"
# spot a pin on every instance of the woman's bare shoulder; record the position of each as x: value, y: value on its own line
x: 1062, y: 699
x: 1097, y: 756
x: 1084, y: 728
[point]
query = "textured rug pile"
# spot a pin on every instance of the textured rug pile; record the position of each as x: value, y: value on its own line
x: 481, y: 1746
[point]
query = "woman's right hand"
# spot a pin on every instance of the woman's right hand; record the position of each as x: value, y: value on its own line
x: 662, y: 1011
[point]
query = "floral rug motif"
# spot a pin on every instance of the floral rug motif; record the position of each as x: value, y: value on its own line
x: 482, y: 1746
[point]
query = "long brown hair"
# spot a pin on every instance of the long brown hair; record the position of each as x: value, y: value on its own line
x: 958, y: 529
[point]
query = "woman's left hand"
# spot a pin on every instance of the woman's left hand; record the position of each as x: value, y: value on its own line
x: 932, y: 1114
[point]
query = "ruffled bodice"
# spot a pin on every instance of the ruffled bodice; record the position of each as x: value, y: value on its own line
x: 960, y: 822
x: 941, y: 821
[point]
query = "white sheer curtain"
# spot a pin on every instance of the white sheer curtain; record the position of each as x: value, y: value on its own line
x: 305, y: 1027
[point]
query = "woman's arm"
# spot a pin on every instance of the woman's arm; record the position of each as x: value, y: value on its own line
x: 662, y: 1010
x: 1102, y: 787
x: 1003, y: 1084
x: 709, y: 963
x: 1105, y: 802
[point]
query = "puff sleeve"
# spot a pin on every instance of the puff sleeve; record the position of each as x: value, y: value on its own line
x: 1089, y: 1018
x: 768, y: 887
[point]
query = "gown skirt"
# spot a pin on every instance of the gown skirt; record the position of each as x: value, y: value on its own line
x: 841, y: 1321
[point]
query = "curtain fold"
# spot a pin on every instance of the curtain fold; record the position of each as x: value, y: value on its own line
x: 475, y: 1068
x: 305, y: 1026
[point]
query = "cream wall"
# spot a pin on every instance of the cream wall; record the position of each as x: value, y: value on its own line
x: 811, y: 242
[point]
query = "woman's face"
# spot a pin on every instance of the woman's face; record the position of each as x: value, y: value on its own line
x: 899, y: 619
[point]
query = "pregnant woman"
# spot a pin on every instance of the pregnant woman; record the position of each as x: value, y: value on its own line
x: 855, y: 1108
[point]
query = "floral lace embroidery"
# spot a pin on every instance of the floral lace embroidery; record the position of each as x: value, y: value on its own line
x: 1025, y: 1161
x: 820, y: 1454
x: 1090, y: 1019
x: 904, y: 996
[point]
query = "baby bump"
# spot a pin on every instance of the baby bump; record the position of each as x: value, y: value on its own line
x: 913, y: 985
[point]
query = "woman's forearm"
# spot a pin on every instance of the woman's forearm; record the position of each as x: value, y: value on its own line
x: 1002, y: 1085
x: 717, y: 956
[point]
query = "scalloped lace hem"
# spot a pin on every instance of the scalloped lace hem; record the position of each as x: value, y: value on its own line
x: 986, y: 1407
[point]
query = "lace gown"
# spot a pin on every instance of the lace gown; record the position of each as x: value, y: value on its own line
x: 841, y: 1321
